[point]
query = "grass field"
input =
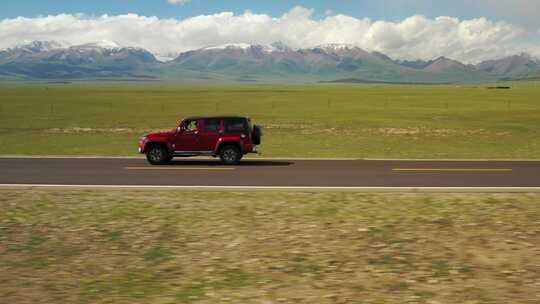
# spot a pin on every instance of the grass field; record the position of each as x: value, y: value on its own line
x: 185, y: 247
x: 379, y: 121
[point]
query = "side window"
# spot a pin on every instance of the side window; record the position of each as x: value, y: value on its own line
x: 191, y: 125
x: 235, y: 125
x: 212, y: 124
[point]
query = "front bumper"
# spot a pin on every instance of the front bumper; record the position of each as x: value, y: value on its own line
x: 142, y: 144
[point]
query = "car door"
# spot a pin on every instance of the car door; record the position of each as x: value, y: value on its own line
x: 187, y: 140
x: 212, y: 130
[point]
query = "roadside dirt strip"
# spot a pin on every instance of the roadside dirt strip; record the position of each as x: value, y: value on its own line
x: 275, y: 175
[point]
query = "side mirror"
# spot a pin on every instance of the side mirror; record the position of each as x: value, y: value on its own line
x: 179, y: 129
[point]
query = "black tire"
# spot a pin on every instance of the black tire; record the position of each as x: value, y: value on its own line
x: 256, y: 135
x: 157, y: 155
x: 230, y: 155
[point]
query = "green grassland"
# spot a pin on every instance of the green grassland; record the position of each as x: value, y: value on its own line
x: 363, y: 121
x: 187, y: 247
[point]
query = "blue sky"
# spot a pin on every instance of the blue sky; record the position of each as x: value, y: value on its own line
x: 377, y: 10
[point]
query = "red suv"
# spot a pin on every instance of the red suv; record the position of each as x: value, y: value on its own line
x: 229, y: 137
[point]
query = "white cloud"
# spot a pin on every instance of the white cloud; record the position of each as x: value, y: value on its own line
x: 414, y: 37
x: 181, y: 2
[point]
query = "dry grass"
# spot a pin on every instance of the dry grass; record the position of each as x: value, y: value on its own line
x: 179, y: 247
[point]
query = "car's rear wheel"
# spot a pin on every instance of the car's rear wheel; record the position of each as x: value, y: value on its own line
x: 157, y: 155
x: 230, y: 155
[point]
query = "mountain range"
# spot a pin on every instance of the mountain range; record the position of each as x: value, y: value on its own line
x: 52, y: 60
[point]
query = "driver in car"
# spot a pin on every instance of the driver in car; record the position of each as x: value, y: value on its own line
x: 192, y: 126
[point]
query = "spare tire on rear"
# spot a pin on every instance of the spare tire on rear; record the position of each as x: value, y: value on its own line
x: 256, y: 135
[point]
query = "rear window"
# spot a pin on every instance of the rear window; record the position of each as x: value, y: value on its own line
x: 235, y: 125
x: 212, y: 124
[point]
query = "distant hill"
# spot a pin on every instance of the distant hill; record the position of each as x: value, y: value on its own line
x: 249, y: 63
x: 322, y: 63
x: 512, y: 67
x: 47, y: 60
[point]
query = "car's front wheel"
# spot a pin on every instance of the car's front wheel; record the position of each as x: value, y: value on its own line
x: 157, y: 155
x: 230, y: 155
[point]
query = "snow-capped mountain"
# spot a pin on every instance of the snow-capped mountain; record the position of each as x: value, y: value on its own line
x: 56, y: 60
x: 229, y: 46
x: 248, y: 62
x: 103, y: 44
x: 166, y: 57
x: 280, y: 46
x: 277, y: 61
x: 334, y: 47
x: 40, y: 46
x: 267, y: 48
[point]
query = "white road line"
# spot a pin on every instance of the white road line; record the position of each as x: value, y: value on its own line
x: 283, y: 188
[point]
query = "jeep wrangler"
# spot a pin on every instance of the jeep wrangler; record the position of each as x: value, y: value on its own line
x: 229, y: 137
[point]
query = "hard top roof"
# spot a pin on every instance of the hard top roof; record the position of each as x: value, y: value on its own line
x: 215, y: 117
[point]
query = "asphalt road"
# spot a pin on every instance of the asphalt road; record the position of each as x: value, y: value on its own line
x: 273, y: 173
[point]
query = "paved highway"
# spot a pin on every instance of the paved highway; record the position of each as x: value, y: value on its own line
x: 271, y: 173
